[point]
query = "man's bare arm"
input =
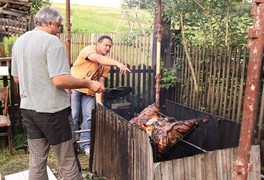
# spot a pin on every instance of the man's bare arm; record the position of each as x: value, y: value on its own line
x: 99, y: 96
x: 69, y: 82
x: 108, y: 61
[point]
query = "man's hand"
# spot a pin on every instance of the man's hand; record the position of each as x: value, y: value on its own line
x: 96, y: 87
x: 123, y: 68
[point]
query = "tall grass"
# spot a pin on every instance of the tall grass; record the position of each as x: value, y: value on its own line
x: 90, y: 19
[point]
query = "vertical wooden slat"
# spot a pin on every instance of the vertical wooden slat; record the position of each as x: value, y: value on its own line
x: 149, y: 85
x: 237, y: 62
x: 219, y: 70
x: 231, y: 90
x: 242, y: 85
x: 202, y: 94
x: 144, y: 83
x: 191, y: 82
x: 210, y: 165
x: 214, y: 69
x: 189, y: 168
x: 200, y: 164
x: 256, y: 167
x: 210, y: 79
x: 186, y: 81
x: 227, y: 82
x: 219, y: 165
x: 181, y: 56
x: 221, y: 100
x: 117, y: 76
x: 178, y: 167
x: 157, y: 172
x: 198, y: 76
x: 206, y: 86
x: 138, y: 89
x: 166, y: 170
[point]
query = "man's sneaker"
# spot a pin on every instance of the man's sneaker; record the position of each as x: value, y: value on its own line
x: 87, y: 151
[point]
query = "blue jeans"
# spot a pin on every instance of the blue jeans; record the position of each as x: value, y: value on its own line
x: 81, y: 101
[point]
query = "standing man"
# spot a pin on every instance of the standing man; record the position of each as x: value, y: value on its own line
x: 93, y: 64
x: 40, y: 66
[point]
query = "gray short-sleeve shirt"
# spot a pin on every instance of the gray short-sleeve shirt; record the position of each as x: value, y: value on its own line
x: 36, y: 58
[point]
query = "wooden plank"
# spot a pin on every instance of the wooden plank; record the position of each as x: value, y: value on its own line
x: 219, y: 71
x: 144, y: 85
x: 196, y: 70
x: 166, y: 170
x: 189, y: 168
x: 225, y: 163
x: 219, y: 165
x: 178, y: 168
x: 242, y: 86
x: 138, y: 104
x: 227, y: 82
x: 191, y: 91
x: 255, y: 160
x: 232, y: 158
x: 231, y: 89
x: 210, y: 165
x: 237, y: 62
x: 157, y: 172
x: 149, y: 89
x: 214, y: 69
x: 200, y: 173
x: 110, y: 141
x: 221, y: 100
x: 133, y: 103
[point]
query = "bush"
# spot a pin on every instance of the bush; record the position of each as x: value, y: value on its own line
x: 7, y: 41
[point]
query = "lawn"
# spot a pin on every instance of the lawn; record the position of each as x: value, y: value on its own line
x: 91, y: 19
x: 10, y: 164
x: 18, y: 162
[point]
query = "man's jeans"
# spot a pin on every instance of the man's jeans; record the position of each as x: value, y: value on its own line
x: 81, y: 101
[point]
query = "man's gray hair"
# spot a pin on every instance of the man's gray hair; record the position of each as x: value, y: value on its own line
x: 46, y: 14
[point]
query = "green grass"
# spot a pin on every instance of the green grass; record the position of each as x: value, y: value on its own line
x: 90, y: 19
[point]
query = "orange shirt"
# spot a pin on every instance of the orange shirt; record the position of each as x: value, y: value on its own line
x: 86, y: 69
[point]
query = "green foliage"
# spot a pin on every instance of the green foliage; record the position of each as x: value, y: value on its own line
x: 7, y: 41
x: 209, y: 23
x: 169, y: 75
x: 19, y: 138
x: 91, y: 176
x: 37, y: 4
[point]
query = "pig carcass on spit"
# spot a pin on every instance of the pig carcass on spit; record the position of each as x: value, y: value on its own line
x: 165, y: 131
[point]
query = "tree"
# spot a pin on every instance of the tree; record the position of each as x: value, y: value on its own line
x: 210, y: 22
x: 37, y: 4
x: 219, y: 23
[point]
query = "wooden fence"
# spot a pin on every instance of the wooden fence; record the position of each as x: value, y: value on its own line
x: 220, y: 76
x: 131, y: 50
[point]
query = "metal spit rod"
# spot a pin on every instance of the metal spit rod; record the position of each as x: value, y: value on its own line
x: 197, y: 147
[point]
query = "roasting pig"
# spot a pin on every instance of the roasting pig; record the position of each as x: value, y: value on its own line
x: 165, y: 131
